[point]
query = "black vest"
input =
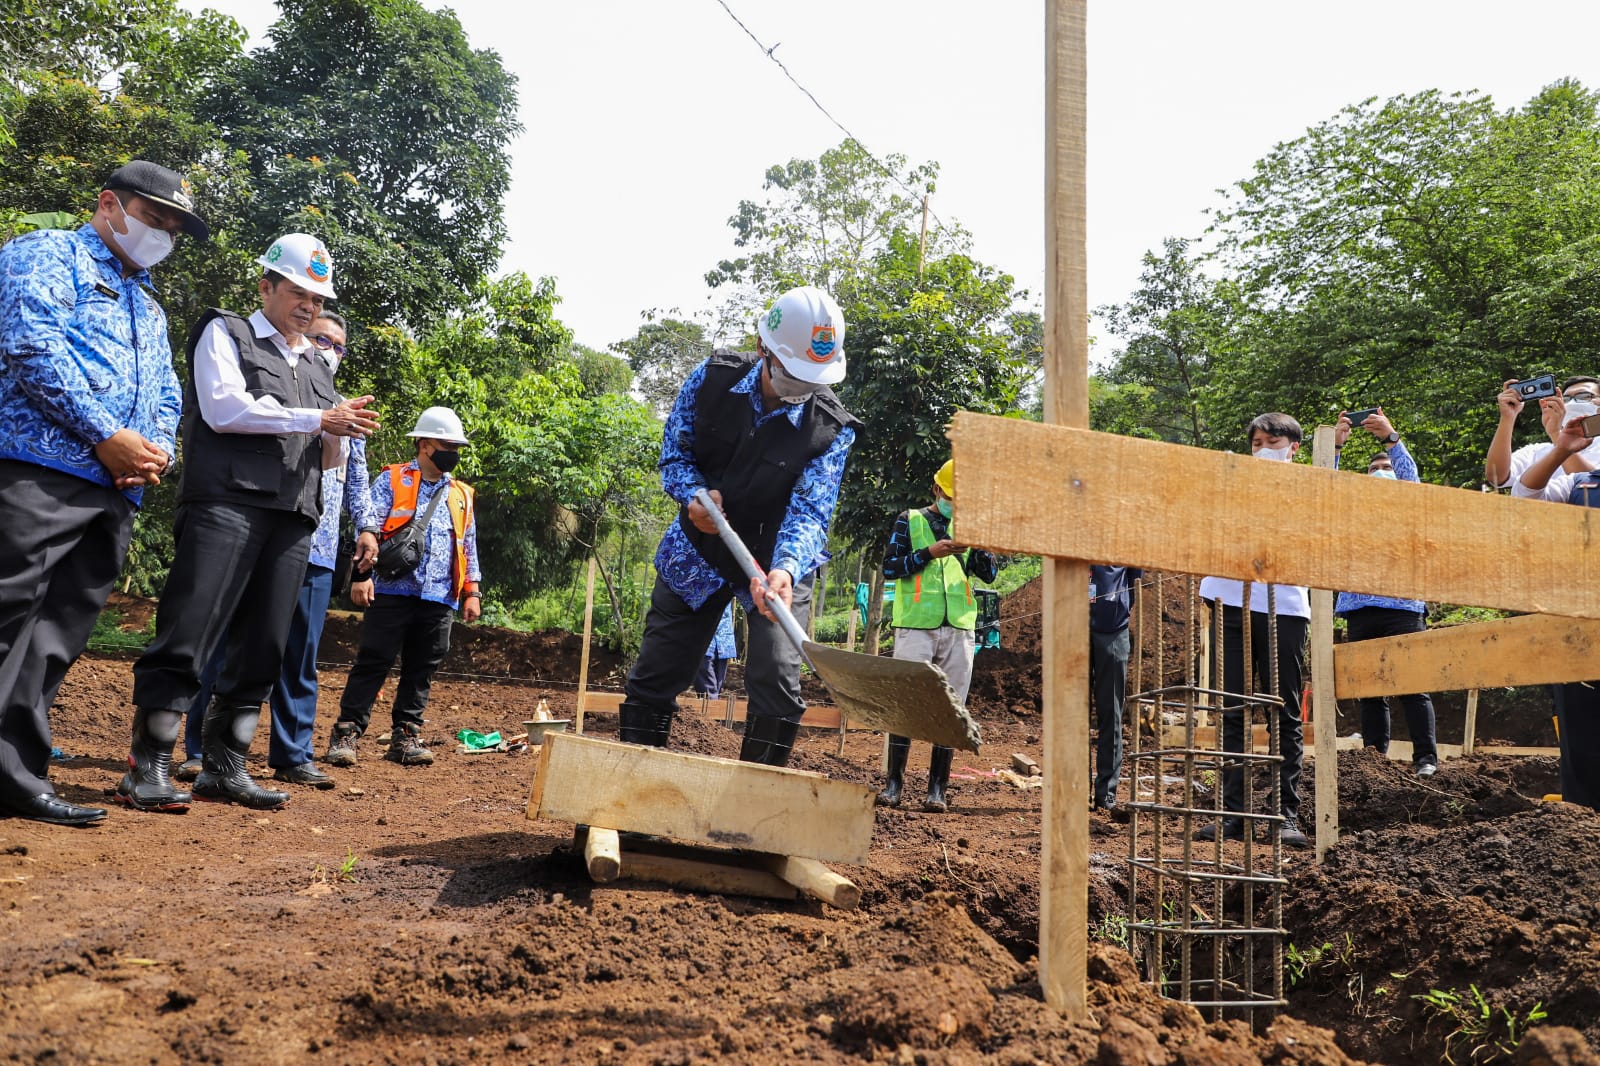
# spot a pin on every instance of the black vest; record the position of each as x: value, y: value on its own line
x: 754, y: 468
x: 277, y: 471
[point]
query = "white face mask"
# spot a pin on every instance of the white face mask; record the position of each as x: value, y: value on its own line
x: 143, y: 244
x: 1280, y: 455
x: 1386, y: 474
x: 1579, y: 409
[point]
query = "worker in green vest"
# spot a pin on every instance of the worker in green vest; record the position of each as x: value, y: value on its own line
x: 935, y: 614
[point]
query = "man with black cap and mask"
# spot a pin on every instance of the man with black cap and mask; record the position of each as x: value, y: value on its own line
x: 91, y: 403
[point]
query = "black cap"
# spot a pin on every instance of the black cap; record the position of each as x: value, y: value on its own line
x: 164, y: 186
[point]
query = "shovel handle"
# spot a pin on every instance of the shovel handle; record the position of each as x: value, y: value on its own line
x: 786, y: 619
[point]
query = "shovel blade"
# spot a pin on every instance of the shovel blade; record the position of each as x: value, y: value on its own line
x: 901, y: 696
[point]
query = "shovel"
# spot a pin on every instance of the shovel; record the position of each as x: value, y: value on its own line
x: 900, y: 696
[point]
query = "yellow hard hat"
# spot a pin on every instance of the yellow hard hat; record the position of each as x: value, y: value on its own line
x: 946, y: 478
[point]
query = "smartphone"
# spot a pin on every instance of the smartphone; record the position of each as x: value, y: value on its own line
x: 1591, y: 426
x: 1358, y: 417
x: 1536, y: 388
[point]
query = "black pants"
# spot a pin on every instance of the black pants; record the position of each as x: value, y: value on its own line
x: 1578, y: 711
x: 62, y: 543
x: 412, y: 629
x: 676, y: 637
x: 1108, y: 681
x: 1366, y: 623
x: 237, y: 572
x: 1291, y: 674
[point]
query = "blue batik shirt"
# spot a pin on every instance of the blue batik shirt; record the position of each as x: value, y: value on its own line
x: 83, y: 354
x: 723, y: 645
x: 803, y: 536
x: 1405, y: 469
x: 431, y: 579
x: 341, y: 489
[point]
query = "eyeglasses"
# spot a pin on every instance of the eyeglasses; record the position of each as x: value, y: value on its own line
x: 326, y: 343
x: 1588, y: 397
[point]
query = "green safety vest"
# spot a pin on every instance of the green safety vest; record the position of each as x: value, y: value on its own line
x: 944, y: 598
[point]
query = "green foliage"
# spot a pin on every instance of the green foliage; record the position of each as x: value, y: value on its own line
x: 661, y: 355
x: 375, y: 125
x: 1484, y: 1032
x: 1412, y: 253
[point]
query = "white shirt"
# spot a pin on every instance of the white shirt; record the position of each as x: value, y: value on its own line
x: 1291, y: 599
x: 1560, y: 481
x: 226, y: 404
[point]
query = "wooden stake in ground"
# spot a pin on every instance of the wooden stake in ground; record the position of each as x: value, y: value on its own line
x: 1469, y: 733
x: 588, y: 629
x: 1064, y: 877
x: 1324, y: 707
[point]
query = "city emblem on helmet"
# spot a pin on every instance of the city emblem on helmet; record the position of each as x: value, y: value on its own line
x: 774, y: 317
x: 317, y: 269
x: 821, y: 344
x: 275, y: 253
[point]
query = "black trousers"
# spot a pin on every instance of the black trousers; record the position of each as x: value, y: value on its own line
x: 1364, y: 624
x: 237, y: 572
x: 1291, y: 674
x: 414, y: 630
x: 1578, y: 711
x: 1108, y: 681
x: 676, y: 637
x: 62, y: 543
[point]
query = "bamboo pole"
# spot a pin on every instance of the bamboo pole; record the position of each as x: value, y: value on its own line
x: 1064, y: 880
x: 588, y: 629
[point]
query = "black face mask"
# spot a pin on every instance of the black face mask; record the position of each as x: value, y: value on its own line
x: 445, y: 459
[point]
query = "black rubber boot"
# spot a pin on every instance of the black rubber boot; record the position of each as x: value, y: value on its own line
x: 643, y: 725
x: 225, y: 741
x: 938, y: 778
x: 899, y: 748
x: 768, y: 740
x: 147, y: 786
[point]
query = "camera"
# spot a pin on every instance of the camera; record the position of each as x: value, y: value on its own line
x: 1535, y: 388
x: 1358, y: 417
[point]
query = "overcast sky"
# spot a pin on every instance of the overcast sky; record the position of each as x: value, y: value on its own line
x: 647, y: 121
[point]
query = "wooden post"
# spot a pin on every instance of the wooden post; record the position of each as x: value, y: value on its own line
x: 818, y: 594
x: 1324, y: 707
x: 1064, y: 876
x: 602, y: 853
x: 588, y: 629
x: 1469, y: 736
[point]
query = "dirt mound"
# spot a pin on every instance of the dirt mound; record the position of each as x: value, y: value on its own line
x: 1376, y: 792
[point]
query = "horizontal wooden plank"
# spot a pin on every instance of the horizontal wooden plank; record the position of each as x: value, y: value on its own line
x: 701, y: 799
x: 819, y: 716
x: 1530, y: 649
x: 1077, y: 494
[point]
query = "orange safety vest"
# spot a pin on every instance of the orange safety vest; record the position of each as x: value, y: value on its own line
x: 403, y: 486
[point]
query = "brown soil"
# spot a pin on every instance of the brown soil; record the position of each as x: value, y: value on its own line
x: 466, y: 933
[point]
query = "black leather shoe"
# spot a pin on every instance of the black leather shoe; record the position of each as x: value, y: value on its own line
x: 1232, y: 829
x: 49, y: 807
x: 304, y: 774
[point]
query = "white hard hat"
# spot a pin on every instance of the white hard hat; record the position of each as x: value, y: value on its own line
x: 304, y: 260
x: 804, y: 328
x: 440, y: 423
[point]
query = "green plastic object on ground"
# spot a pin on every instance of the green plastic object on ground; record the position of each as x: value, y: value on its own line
x: 478, y: 741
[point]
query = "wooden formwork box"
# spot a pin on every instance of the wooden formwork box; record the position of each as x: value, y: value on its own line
x: 733, y: 826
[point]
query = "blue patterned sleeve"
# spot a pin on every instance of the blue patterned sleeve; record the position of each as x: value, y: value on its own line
x: 680, y: 476
x: 38, y: 295
x: 382, y: 497
x: 804, y: 533
x: 473, y: 572
x: 358, y: 489
x: 1405, y: 467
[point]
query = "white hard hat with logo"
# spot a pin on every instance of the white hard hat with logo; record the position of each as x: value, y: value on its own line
x: 804, y: 328
x: 440, y: 423
x: 304, y: 260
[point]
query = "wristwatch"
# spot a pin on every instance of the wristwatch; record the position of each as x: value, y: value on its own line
x: 1392, y: 438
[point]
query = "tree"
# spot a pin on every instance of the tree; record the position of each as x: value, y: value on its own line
x: 661, y: 355
x: 374, y: 124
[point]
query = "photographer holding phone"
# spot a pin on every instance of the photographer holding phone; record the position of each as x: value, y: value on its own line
x: 1368, y: 616
x: 1502, y: 466
x: 1577, y: 703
